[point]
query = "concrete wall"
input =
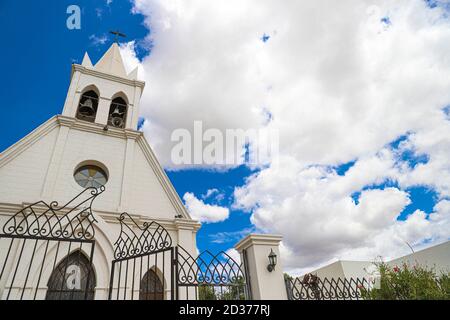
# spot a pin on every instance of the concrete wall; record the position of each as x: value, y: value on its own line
x: 436, y: 257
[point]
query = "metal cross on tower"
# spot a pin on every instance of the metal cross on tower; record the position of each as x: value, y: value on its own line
x: 117, y: 34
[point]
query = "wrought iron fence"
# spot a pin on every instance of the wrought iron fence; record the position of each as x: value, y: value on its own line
x: 45, y: 241
x: 311, y: 287
x: 47, y: 252
x: 209, y: 277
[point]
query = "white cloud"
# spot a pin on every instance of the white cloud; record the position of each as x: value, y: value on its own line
x: 233, y: 254
x: 339, y: 84
x: 98, y: 40
x: 230, y: 237
x: 130, y: 60
x: 204, y: 212
x: 214, y: 194
x: 209, y: 193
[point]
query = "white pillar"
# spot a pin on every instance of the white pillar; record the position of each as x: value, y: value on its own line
x: 254, y: 250
x: 73, y: 96
x: 102, y: 110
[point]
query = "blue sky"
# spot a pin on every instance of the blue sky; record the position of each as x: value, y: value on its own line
x: 37, y: 42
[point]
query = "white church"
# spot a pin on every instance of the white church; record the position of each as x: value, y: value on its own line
x: 94, y: 162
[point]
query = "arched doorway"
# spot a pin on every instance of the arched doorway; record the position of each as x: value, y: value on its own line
x: 151, y: 287
x: 69, y: 280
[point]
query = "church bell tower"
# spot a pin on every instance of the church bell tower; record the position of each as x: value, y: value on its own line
x: 104, y: 93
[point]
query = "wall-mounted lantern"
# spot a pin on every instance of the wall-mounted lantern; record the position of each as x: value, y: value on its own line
x: 272, y: 261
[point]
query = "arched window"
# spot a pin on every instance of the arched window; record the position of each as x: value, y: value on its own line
x: 87, y: 108
x: 151, y: 287
x: 69, y: 280
x: 117, y: 113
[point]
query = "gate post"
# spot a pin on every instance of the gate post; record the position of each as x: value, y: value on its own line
x: 264, y: 284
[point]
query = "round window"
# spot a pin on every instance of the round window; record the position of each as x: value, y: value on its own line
x: 90, y: 176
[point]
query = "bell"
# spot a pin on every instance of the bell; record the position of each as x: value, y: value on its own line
x: 116, y: 113
x: 117, y: 122
x: 86, y: 108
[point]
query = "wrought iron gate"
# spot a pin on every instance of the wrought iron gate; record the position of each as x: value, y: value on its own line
x: 209, y: 277
x: 311, y: 287
x: 143, y: 263
x: 35, y: 239
x: 47, y: 252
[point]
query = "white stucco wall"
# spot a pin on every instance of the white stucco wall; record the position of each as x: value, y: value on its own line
x: 147, y: 196
x: 436, y: 257
x: 25, y: 175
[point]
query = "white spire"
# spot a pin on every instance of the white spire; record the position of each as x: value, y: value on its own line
x: 111, y: 62
x: 86, y: 61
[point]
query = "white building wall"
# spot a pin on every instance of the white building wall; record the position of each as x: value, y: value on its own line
x: 22, y: 178
x: 333, y: 270
x: 436, y: 257
x: 86, y: 146
x: 147, y: 196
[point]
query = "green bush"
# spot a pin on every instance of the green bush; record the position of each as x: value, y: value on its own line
x: 409, y: 283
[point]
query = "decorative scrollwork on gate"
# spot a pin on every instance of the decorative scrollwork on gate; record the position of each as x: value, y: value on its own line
x: 151, y: 237
x: 208, y: 269
x: 73, y: 220
x: 311, y: 287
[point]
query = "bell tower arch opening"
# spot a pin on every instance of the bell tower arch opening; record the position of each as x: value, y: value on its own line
x: 87, y: 107
x: 118, y: 113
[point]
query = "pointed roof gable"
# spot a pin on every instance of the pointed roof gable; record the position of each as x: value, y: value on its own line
x: 112, y: 62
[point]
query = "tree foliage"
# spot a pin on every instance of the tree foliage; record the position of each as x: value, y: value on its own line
x: 409, y: 283
x: 235, y: 290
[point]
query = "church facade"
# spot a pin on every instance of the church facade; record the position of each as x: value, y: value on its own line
x: 115, y: 205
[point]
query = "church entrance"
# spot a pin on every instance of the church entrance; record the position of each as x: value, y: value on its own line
x: 151, y: 287
x: 72, y: 279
